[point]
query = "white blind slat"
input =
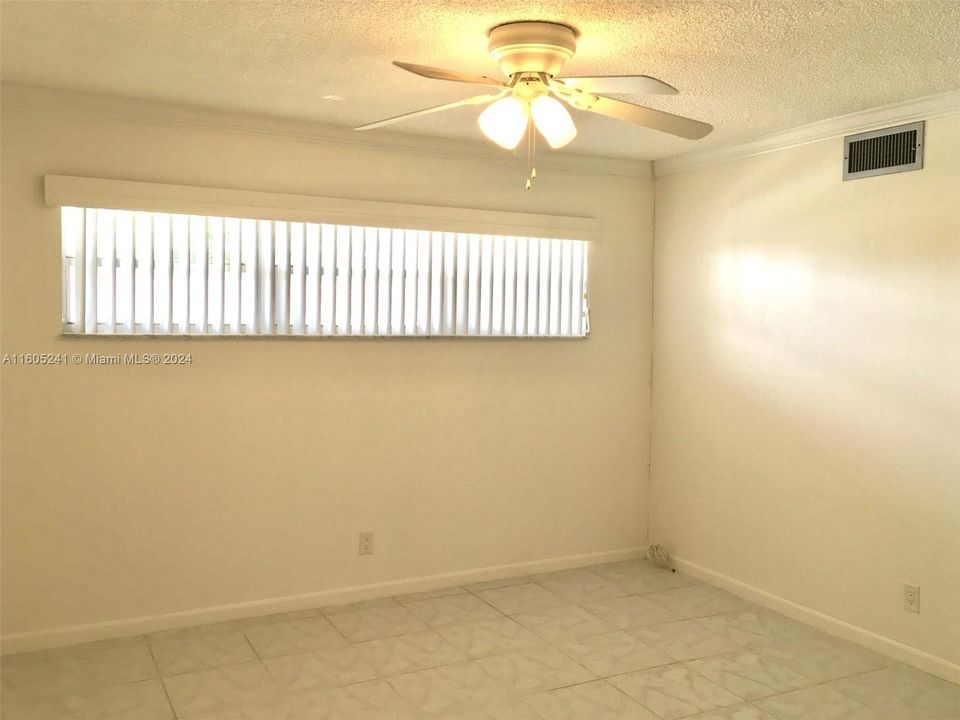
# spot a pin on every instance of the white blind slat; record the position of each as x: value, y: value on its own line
x: 104, y: 272
x: 436, y: 283
x: 73, y: 259
x: 217, y: 289
x: 328, y: 281
x: 585, y: 284
x: 90, y: 271
x: 555, y: 284
x: 312, y: 250
x: 112, y: 275
x: 124, y: 272
x: 566, y: 274
x: 370, y: 280
x: 342, y: 273
x: 281, y: 279
x: 497, y: 284
x: 462, y: 284
x: 231, y: 276
x: 384, y: 287
x: 196, y: 282
x: 142, y: 272
x: 449, y: 277
x: 576, y: 283
x: 396, y: 282
x: 509, y: 285
x: 533, y: 286
x: 297, y: 297
x: 357, y: 259
x: 543, y: 301
x: 423, y: 283
x: 473, y: 286
x: 410, y: 282
x: 162, y: 270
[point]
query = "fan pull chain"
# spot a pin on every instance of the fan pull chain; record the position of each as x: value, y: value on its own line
x: 531, y: 155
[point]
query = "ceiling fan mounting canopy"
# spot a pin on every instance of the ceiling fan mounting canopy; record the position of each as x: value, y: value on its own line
x: 532, y: 47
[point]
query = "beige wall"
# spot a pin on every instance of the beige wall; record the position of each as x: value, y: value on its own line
x: 806, y: 405
x: 133, y: 491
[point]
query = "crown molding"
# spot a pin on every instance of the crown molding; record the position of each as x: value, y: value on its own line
x: 905, y: 112
x: 161, y: 113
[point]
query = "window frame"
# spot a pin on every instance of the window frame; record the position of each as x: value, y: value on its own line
x: 217, y: 204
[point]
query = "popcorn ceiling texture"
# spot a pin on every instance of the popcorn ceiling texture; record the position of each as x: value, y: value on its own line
x: 748, y: 67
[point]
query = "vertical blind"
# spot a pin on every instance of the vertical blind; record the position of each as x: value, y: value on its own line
x: 150, y: 273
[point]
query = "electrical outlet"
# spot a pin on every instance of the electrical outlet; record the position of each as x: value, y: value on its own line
x: 911, y: 598
x: 366, y: 543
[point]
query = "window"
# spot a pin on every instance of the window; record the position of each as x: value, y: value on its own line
x: 157, y: 273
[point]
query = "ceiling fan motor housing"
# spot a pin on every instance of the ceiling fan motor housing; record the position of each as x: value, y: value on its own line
x: 532, y: 47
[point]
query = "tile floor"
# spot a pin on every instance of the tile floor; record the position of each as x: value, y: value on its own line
x: 625, y: 641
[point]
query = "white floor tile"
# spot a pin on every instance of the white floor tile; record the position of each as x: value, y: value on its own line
x: 903, y: 693
x: 376, y: 622
x: 448, y: 689
x: 590, y: 701
x: 76, y: 668
x: 698, y: 601
x: 221, y: 690
x: 431, y: 594
x: 824, y: 659
x: 817, y: 702
x: 580, y: 586
x: 199, y: 648
x: 373, y: 700
x: 489, y: 637
x: 750, y: 675
x: 321, y: 669
x: 674, y: 691
x: 453, y: 609
x: 521, y: 598
x: 143, y: 700
x: 408, y: 653
x: 563, y: 623
x: 684, y: 640
x: 294, y: 636
x: 536, y: 669
x: 735, y: 712
x: 613, y: 653
x: 631, y: 611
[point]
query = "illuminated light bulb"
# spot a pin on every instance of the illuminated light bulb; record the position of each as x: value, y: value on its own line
x: 553, y: 121
x: 505, y: 122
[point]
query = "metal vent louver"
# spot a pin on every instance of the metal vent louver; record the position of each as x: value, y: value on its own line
x: 880, y: 152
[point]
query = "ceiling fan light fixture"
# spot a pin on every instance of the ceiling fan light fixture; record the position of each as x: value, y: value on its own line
x: 505, y: 122
x: 553, y: 121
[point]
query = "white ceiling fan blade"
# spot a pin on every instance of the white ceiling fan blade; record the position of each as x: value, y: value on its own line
x: 441, y: 74
x: 637, y: 114
x: 620, y: 85
x: 476, y: 100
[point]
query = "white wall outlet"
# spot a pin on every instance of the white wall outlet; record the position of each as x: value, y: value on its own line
x: 911, y: 598
x: 366, y: 543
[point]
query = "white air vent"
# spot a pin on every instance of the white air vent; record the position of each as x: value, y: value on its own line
x: 881, y: 152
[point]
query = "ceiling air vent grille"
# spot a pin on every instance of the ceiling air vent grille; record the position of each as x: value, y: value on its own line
x: 880, y: 152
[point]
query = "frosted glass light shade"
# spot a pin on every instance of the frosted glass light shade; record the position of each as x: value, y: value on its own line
x: 504, y: 122
x: 553, y: 121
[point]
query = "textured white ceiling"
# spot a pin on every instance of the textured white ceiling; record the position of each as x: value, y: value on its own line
x: 749, y: 67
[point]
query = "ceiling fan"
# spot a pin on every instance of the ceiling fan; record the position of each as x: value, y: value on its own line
x: 531, y: 55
